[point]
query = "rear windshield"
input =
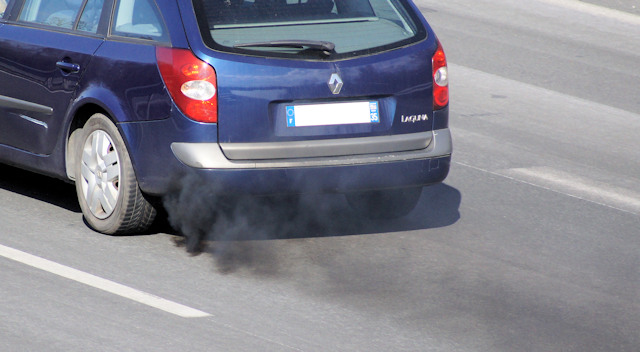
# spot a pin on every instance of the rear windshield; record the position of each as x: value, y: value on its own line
x: 308, y: 28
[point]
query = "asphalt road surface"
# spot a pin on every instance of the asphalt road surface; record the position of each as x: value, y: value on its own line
x: 531, y: 244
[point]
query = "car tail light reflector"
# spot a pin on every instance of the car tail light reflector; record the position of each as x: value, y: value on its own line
x: 191, y: 83
x: 440, y: 79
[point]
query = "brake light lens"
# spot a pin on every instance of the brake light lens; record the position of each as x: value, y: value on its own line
x: 191, y: 82
x: 440, y: 79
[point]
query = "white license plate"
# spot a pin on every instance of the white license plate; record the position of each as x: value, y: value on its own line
x: 332, y: 114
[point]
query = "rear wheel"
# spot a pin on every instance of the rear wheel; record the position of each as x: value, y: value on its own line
x: 106, y: 184
x: 385, y: 204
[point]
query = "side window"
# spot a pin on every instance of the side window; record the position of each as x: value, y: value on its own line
x: 59, y: 13
x: 3, y: 6
x: 90, y: 16
x: 139, y: 19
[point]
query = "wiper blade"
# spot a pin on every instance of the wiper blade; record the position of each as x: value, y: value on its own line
x: 327, y: 48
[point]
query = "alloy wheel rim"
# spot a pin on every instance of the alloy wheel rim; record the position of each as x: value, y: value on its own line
x: 100, y: 170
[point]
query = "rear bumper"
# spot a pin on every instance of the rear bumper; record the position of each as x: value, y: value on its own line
x: 320, y: 174
x: 433, y: 144
x: 163, y: 166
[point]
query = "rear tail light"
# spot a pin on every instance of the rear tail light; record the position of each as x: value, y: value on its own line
x: 191, y: 83
x: 440, y: 79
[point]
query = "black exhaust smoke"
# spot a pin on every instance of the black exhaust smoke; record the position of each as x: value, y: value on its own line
x: 235, y: 229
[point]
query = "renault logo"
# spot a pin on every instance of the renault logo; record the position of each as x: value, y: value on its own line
x: 335, y: 83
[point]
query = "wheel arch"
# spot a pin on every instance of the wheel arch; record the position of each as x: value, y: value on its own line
x: 82, y: 111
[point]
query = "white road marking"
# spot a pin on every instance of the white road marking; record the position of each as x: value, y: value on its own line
x: 596, y: 10
x: 571, y: 186
x: 626, y: 199
x: 100, y: 283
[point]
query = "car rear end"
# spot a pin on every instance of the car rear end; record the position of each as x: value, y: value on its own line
x: 298, y: 96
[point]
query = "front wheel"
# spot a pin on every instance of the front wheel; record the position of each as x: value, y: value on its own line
x: 107, y: 188
x: 385, y: 204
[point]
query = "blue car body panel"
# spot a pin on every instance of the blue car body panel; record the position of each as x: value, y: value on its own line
x: 248, y: 90
x: 125, y: 82
x: 42, y: 90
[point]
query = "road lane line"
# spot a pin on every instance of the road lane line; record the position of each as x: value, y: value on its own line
x: 587, y: 188
x: 100, y: 283
x: 629, y: 204
x: 596, y: 10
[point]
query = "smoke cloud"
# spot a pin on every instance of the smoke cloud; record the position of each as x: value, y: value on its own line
x: 239, y: 231
x: 235, y: 229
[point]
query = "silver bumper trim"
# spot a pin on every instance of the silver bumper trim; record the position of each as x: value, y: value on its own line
x: 211, y: 156
x: 326, y: 147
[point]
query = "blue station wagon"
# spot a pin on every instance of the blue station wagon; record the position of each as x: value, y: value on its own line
x: 255, y: 97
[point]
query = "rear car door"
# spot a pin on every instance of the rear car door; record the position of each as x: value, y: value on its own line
x: 45, y: 45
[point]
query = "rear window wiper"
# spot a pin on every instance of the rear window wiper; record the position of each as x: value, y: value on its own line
x: 326, y: 48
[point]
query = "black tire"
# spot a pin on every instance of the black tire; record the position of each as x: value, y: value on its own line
x: 384, y: 204
x: 106, y: 184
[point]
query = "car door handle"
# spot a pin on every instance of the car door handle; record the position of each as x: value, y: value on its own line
x: 69, y: 67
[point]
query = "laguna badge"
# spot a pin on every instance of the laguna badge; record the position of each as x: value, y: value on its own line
x: 414, y: 118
